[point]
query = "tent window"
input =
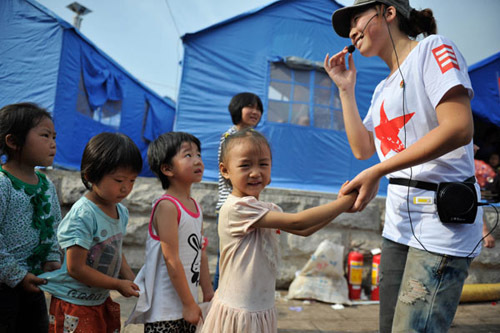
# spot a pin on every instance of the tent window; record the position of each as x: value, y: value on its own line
x: 303, y: 94
x: 108, y: 114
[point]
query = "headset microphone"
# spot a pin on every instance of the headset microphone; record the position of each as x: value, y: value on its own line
x: 351, y: 48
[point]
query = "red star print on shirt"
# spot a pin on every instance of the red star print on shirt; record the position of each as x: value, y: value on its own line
x: 388, y: 130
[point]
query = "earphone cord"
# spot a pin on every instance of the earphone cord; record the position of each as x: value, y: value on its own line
x: 404, y: 127
x: 411, y: 170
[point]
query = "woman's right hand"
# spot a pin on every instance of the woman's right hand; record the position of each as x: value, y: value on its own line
x: 335, y: 66
x: 366, y: 184
x: 192, y: 313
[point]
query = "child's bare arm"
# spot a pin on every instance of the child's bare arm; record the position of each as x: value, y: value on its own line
x: 340, y: 205
x: 165, y: 222
x: 79, y: 270
x: 313, y: 229
x: 308, y: 221
x: 125, y: 270
x: 50, y: 266
x: 205, y: 282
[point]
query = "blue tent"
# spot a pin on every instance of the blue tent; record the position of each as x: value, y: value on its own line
x: 276, y: 52
x: 46, y: 61
x: 485, y: 77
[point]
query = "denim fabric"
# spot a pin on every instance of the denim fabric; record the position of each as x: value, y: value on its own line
x: 391, y: 269
x: 22, y: 311
x: 216, y: 275
x: 429, y: 291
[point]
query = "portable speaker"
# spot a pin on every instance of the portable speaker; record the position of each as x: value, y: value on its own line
x: 456, y: 202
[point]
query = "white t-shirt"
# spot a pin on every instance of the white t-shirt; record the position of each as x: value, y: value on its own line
x: 431, y: 69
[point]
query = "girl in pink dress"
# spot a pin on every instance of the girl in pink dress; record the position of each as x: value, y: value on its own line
x: 248, y: 232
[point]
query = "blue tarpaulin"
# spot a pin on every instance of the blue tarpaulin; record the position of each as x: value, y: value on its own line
x: 485, y: 78
x: 267, y: 51
x: 44, y: 60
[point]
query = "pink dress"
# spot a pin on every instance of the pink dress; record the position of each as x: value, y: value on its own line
x: 244, y: 301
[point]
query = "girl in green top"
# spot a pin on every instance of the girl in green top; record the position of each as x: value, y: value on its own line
x: 29, y: 214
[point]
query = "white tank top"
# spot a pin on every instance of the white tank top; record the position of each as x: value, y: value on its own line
x: 158, y: 300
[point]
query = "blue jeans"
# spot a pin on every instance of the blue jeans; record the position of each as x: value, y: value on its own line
x: 419, y: 290
x: 216, y: 275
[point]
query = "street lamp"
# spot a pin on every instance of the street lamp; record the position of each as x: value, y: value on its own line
x: 79, y: 10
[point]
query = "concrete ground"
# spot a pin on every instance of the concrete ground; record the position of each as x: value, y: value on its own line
x: 296, y: 316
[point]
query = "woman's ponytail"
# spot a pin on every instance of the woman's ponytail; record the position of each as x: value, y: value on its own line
x: 420, y: 22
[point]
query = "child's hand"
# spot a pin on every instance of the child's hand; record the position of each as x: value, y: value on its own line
x: 50, y: 266
x: 128, y: 288
x: 192, y: 313
x: 31, y: 282
x: 340, y: 195
x: 351, y: 196
x: 207, y: 296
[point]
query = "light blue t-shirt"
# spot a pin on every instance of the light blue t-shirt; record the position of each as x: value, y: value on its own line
x: 86, y: 225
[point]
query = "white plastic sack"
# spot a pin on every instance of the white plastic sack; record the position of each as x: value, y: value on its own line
x: 322, y: 277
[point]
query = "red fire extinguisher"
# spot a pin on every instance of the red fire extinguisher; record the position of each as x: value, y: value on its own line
x: 375, y: 274
x: 354, y: 274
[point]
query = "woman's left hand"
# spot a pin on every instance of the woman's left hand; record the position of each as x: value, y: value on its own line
x: 366, y: 183
x: 336, y: 68
x: 489, y: 241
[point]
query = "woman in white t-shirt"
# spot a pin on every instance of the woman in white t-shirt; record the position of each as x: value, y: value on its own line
x: 420, y: 124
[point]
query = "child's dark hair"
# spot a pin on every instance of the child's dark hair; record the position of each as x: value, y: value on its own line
x: 17, y: 120
x: 164, y: 148
x: 239, y: 101
x: 254, y: 136
x: 106, y: 152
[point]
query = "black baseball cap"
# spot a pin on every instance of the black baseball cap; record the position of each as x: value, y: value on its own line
x: 341, y: 18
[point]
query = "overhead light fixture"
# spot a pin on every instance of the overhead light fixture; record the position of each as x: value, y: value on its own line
x: 79, y: 10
